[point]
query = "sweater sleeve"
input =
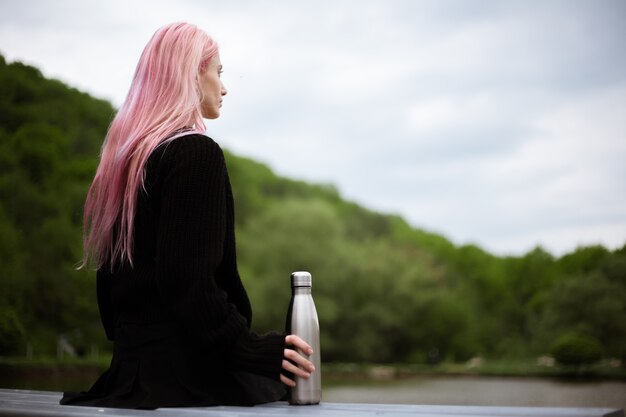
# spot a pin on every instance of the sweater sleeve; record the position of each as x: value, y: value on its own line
x: 191, y: 234
x: 228, y: 272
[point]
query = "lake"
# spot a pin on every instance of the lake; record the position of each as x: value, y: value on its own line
x: 486, y: 391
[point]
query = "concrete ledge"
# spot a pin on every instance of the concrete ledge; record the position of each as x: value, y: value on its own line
x: 45, y: 403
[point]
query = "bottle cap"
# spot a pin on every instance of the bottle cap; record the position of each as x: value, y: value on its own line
x: 300, y: 279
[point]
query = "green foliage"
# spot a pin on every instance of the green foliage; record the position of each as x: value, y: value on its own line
x: 584, y: 260
x: 385, y: 291
x: 577, y: 350
x: 49, y: 140
x: 587, y: 304
x: 11, y: 333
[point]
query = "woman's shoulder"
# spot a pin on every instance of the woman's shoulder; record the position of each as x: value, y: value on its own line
x: 192, y: 147
x: 186, y: 153
x: 191, y: 142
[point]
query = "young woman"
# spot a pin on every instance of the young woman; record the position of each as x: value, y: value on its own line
x: 159, y: 226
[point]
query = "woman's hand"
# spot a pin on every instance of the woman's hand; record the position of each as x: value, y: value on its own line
x: 294, y: 362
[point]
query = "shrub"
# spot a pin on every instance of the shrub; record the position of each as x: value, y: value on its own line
x: 577, y: 349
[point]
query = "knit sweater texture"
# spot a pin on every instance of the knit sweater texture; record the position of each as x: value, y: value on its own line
x: 185, y: 266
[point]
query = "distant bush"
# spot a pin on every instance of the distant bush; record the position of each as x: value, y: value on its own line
x: 576, y: 349
x: 11, y: 332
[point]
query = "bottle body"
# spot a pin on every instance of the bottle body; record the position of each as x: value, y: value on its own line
x: 303, y: 322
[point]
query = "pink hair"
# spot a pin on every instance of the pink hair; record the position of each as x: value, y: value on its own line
x: 162, y: 104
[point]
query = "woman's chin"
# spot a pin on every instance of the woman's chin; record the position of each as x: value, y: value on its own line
x: 211, y: 116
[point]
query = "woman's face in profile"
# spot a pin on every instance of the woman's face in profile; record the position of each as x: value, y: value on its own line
x: 212, y: 89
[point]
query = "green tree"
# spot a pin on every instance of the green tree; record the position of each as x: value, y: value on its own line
x: 587, y: 304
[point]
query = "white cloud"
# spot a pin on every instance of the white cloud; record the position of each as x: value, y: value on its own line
x: 453, y: 112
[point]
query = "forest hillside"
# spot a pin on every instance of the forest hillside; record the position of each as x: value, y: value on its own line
x: 385, y: 291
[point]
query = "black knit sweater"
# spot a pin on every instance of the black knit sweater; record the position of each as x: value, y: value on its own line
x: 185, y: 267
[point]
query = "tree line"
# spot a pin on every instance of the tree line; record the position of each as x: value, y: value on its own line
x: 385, y: 291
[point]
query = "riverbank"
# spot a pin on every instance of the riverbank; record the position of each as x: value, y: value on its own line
x: 364, y: 373
x: 51, y: 374
x: 54, y: 374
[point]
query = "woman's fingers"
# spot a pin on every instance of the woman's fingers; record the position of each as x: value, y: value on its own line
x: 298, y: 343
x: 294, y: 362
x: 287, y: 381
x: 295, y: 370
x: 299, y: 360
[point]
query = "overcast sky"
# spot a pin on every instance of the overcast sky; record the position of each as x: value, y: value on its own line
x: 499, y: 123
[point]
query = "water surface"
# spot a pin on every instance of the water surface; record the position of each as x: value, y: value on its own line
x: 485, y: 391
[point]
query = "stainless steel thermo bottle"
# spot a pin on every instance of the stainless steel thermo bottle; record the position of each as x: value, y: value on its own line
x: 302, y: 321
